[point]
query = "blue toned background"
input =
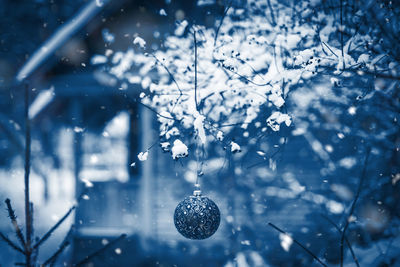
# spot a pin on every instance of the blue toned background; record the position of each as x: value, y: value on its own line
x: 88, y: 129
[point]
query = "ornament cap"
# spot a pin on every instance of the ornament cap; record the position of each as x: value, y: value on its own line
x: 197, y: 193
x: 197, y: 190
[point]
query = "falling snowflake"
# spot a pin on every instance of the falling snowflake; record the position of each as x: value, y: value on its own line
x: 143, y: 156
x: 286, y: 241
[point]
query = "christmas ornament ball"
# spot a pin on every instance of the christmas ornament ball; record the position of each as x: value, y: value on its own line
x: 197, y: 217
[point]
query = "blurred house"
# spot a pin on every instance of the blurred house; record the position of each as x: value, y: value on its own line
x: 108, y: 129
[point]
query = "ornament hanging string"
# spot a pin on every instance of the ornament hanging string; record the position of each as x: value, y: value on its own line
x: 197, y: 216
x: 199, y: 164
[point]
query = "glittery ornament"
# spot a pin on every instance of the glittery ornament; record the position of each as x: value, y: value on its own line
x: 197, y: 217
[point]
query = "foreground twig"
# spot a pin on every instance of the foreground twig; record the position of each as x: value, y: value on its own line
x: 65, y: 243
x: 52, y: 229
x: 35, y: 252
x: 14, y: 222
x: 221, y: 22
x: 298, y: 243
x: 272, y: 13
x: 27, y: 248
x: 98, y: 252
x: 29, y: 251
x: 11, y: 244
x: 28, y: 215
x: 345, y: 239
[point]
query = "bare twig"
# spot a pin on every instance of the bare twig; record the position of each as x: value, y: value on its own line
x: 298, y: 243
x: 382, y: 75
x: 35, y: 252
x: 244, y: 77
x: 98, y: 252
x: 31, y: 218
x: 172, y: 78
x: 330, y: 49
x: 52, y: 260
x: 169, y: 73
x: 153, y: 110
x: 28, y: 215
x: 14, y: 222
x: 222, y: 20
x: 353, y: 205
x: 386, y: 253
x: 52, y: 229
x: 272, y: 13
x: 345, y: 238
x: 265, y: 158
x: 11, y: 244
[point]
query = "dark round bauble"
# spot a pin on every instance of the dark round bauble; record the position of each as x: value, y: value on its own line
x: 197, y: 217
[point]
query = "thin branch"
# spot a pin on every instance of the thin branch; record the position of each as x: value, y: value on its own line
x: 212, y: 132
x: 35, y: 252
x: 244, y: 77
x: 14, y: 222
x: 11, y: 244
x: 28, y: 215
x: 353, y: 205
x: 250, y: 66
x: 298, y: 243
x: 381, y: 75
x: 31, y: 218
x: 158, y: 114
x: 265, y: 158
x: 272, y: 13
x: 345, y: 238
x: 52, y: 260
x: 232, y: 124
x: 327, y: 46
x: 172, y: 77
x: 98, y: 252
x: 222, y: 20
x: 386, y: 253
x: 52, y: 229
x: 168, y: 71
x: 65, y: 243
